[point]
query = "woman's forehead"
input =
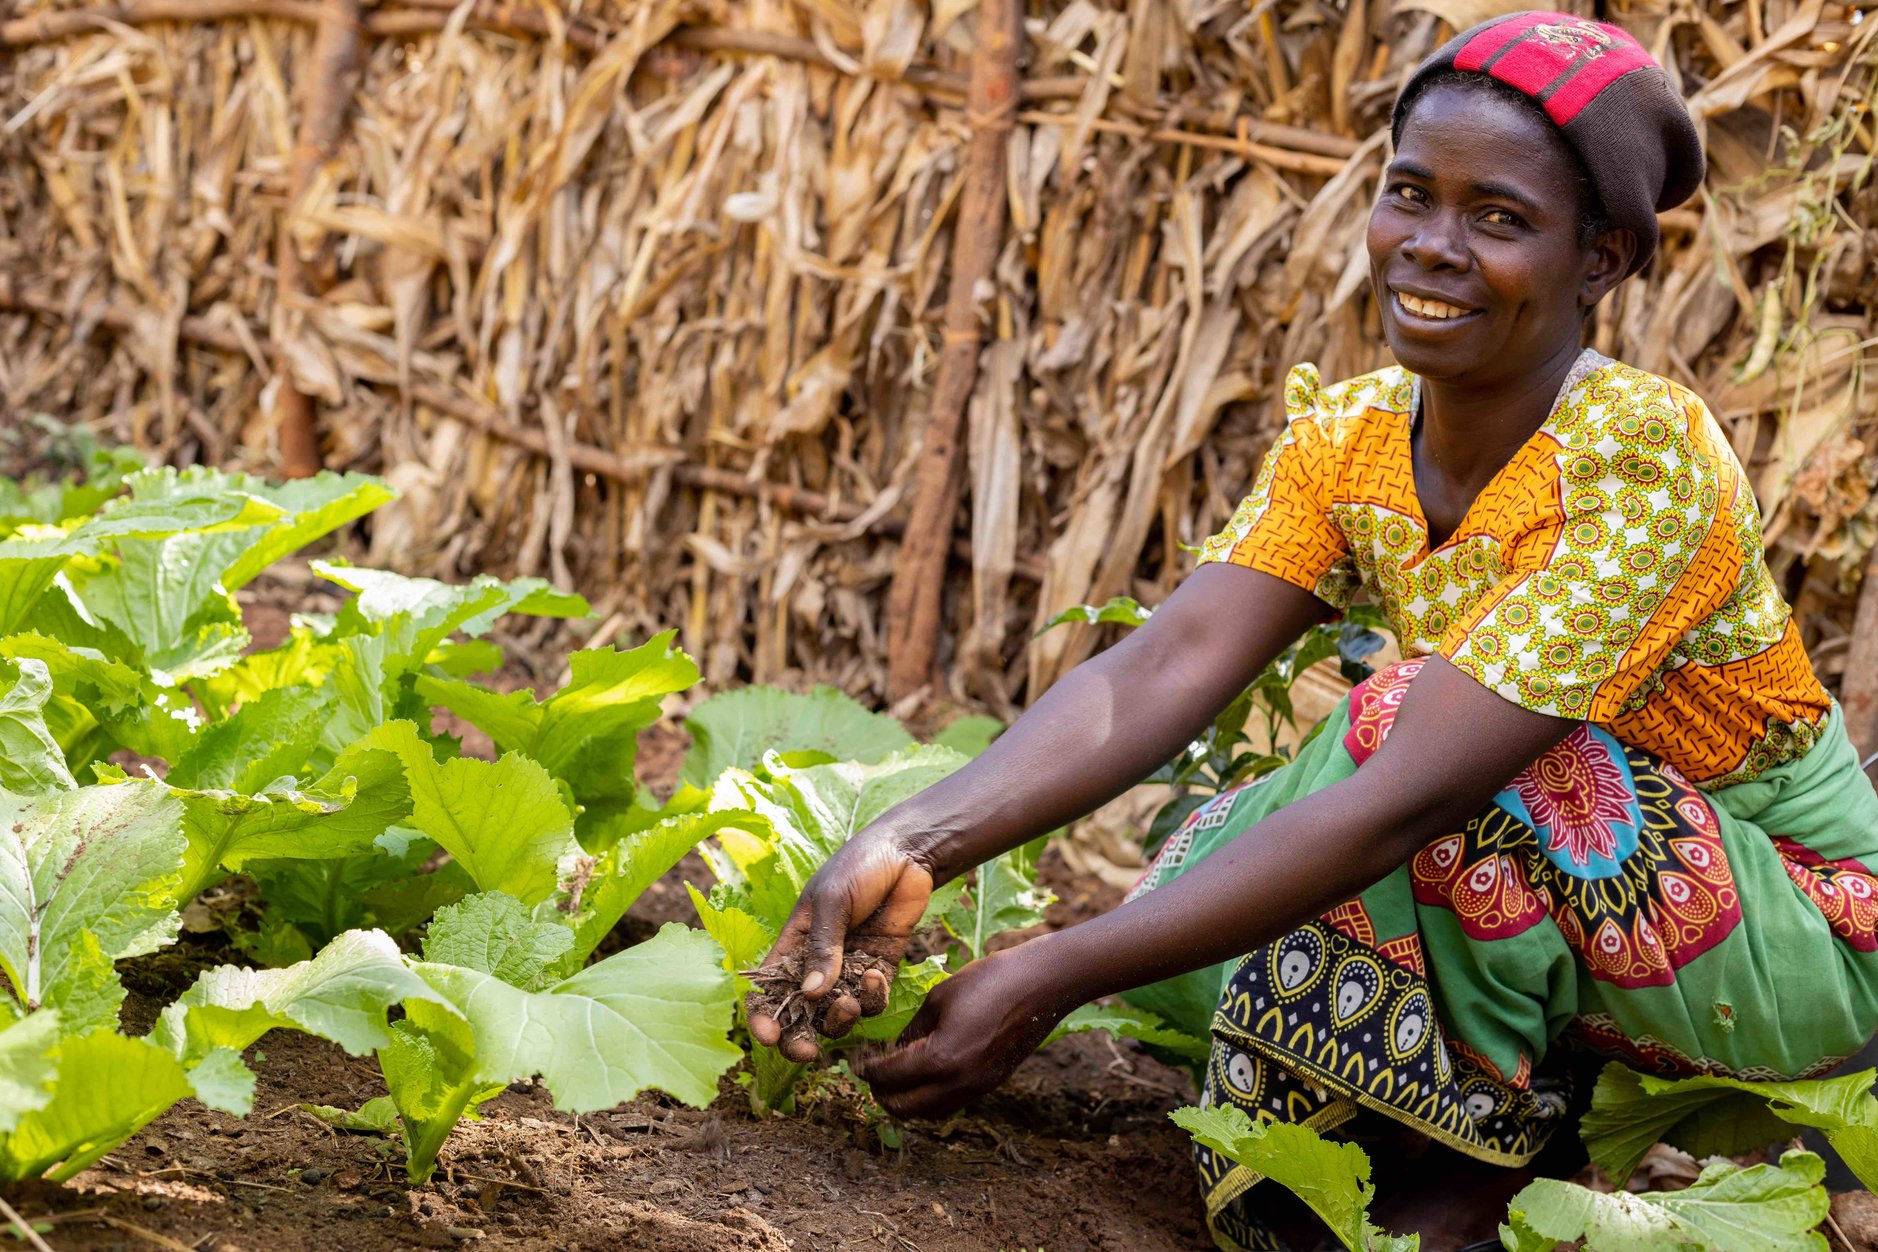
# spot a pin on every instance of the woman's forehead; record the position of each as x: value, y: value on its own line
x: 1473, y: 134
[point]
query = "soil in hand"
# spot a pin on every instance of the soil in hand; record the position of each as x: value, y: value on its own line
x: 779, y: 991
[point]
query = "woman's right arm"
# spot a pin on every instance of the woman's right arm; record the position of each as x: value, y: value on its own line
x: 1106, y: 725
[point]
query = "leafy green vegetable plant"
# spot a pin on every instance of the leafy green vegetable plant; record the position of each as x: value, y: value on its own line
x: 314, y: 767
x: 1715, y: 1116
x: 1729, y: 1208
x: 1764, y: 1208
x: 1331, y: 1178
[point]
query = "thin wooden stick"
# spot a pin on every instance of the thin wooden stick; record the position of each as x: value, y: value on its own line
x: 161, y: 1241
x: 20, y: 1224
x: 323, y: 111
x: 913, y: 601
x: 42, y: 27
x: 1279, y: 158
x: 506, y: 19
x: 1858, y: 694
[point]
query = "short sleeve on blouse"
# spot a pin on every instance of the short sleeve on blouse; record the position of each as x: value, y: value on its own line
x: 1635, y: 555
x: 1284, y: 527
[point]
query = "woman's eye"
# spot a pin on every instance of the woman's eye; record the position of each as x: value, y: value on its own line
x: 1501, y: 217
x: 1409, y: 192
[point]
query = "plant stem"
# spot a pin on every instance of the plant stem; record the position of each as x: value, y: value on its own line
x: 421, y: 1149
x: 329, y: 909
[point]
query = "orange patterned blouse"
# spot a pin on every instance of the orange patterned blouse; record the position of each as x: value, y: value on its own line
x: 1611, y: 572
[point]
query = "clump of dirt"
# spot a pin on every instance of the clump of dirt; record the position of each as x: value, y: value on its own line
x: 779, y: 990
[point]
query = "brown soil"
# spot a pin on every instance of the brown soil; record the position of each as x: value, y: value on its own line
x: 1076, y: 1152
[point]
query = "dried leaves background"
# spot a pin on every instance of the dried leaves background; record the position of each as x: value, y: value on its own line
x: 588, y: 270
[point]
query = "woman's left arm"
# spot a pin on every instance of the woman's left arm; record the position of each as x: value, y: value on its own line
x: 1453, y: 745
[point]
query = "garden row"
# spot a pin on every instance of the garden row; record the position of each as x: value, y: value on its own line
x: 443, y: 912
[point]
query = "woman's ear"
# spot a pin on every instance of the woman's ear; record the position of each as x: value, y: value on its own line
x: 1610, y: 261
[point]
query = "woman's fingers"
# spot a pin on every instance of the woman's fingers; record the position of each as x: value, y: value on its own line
x: 841, y: 1014
x: 828, y: 932
x: 875, y: 984
x: 765, y: 1029
x: 799, y: 1045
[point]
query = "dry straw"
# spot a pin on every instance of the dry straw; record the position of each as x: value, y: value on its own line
x: 651, y: 295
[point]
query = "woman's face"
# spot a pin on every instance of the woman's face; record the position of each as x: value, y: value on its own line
x: 1474, y: 248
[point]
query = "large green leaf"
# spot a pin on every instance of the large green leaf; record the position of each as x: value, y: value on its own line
x: 1715, y: 1116
x: 472, y: 607
x: 342, y: 994
x: 28, y: 1065
x: 734, y: 729
x: 586, y: 733
x: 339, y: 815
x: 99, y: 860
x: 100, y: 703
x: 313, y: 507
x: 170, y: 596
x: 504, y: 823
x: 655, y: 1015
x: 492, y: 933
x: 271, y: 736
x: 34, y: 555
x: 1768, y: 1208
x: 31, y: 761
x: 108, y: 1088
x: 86, y: 673
x: 1331, y: 1178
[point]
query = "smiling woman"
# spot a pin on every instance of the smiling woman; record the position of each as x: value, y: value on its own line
x: 1598, y: 809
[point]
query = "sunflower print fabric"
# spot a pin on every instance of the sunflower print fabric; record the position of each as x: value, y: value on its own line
x: 1612, y: 572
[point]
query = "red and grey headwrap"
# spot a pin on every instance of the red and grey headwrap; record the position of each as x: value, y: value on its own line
x: 1605, y: 93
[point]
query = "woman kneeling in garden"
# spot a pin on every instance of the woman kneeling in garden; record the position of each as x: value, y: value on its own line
x: 1604, y: 807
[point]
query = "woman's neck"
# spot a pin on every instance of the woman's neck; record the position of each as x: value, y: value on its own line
x: 1468, y: 430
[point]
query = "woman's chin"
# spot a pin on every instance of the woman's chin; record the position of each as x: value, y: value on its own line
x: 1442, y: 361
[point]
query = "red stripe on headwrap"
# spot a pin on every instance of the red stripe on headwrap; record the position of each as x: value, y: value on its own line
x: 1595, y: 77
x: 1481, y: 47
x: 1531, y: 65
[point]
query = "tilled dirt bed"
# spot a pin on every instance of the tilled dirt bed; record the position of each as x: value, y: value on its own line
x: 1075, y: 1152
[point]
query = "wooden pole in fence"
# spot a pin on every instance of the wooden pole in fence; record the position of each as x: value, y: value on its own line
x: 1859, y: 689
x: 326, y: 96
x: 913, y: 601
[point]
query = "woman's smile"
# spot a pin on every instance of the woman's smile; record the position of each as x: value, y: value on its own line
x: 1421, y: 312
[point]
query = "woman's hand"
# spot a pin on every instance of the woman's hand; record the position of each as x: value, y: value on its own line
x: 861, y: 904
x: 974, y: 1029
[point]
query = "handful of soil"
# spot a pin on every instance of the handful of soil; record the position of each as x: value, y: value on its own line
x: 779, y: 992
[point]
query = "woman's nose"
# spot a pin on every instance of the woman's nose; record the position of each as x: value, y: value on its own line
x: 1437, y: 243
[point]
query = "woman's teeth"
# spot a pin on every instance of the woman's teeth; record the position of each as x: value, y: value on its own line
x: 1436, y: 310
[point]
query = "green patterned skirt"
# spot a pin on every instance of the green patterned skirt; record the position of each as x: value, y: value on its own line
x: 1600, y: 903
